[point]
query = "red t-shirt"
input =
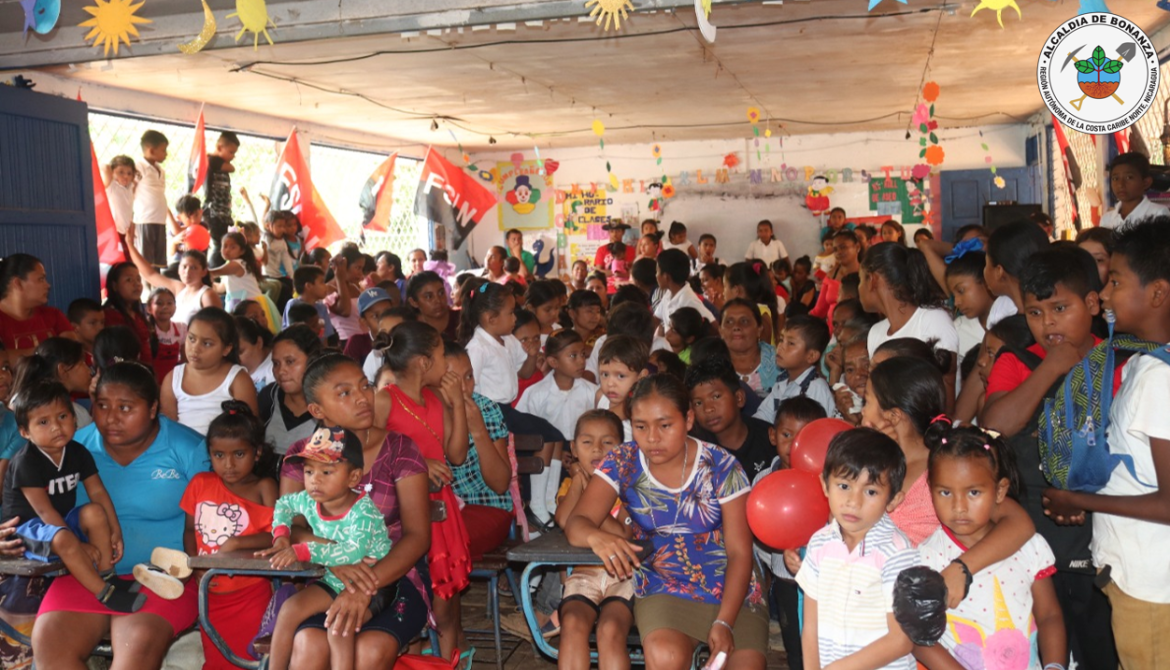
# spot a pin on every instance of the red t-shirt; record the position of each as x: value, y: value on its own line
x: 44, y: 323
x: 1009, y: 371
x: 218, y: 515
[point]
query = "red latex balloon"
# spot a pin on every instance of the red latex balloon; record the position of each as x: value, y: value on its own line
x: 812, y: 443
x: 197, y: 238
x: 786, y: 508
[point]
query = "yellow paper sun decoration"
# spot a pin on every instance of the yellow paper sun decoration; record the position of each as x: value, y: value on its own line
x: 254, y: 15
x: 113, y: 21
x: 609, y: 10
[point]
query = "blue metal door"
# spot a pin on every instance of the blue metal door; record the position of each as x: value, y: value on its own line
x: 965, y: 192
x: 46, y: 190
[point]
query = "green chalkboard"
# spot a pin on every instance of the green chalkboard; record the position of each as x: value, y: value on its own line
x: 892, y: 196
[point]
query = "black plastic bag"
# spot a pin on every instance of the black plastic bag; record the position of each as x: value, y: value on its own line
x: 920, y: 605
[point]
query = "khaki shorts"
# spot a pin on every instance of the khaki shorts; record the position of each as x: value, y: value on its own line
x: 596, y: 587
x: 695, y: 619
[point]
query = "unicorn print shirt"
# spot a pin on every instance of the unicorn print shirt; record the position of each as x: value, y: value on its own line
x: 685, y: 524
x: 993, y: 628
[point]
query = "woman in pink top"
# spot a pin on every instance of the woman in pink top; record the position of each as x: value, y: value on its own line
x: 903, y: 397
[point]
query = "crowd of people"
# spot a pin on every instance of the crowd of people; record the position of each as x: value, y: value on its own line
x: 256, y: 395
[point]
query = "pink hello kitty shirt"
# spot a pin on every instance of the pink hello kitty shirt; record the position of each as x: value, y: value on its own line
x: 218, y: 515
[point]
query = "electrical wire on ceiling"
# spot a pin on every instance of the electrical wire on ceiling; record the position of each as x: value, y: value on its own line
x: 598, y: 38
x: 926, y: 65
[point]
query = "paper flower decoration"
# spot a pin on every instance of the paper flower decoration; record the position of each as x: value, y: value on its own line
x: 551, y: 166
x: 613, y: 181
x: 196, y: 45
x: 875, y: 3
x: 254, y: 15
x: 767, y: 132
x: 609, y: 10
x: 113, y: 21
x: 753, y: 115
x: 598, y: 127
x: 731, y: 160
x: 930, y: 91
x: 920, y: 171
x: 921, y: 115
x: 998, y: 6
x: 656, y: 151
x: 999, y: 182
x: 934, y: 155
x: 668, y: 190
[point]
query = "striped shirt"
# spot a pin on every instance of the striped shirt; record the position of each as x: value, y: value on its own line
x: 854, y: 591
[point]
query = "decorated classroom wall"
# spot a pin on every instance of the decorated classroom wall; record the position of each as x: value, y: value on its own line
x: 725, y: 187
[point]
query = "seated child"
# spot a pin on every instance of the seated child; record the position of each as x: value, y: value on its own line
x: 716, y: 399
x: 685, y: 326
x: 849, y: 389
x: 668, y: 362
x: 673, y: 270
x: 306, y: 314
x: 621, y: 363
x: 512, y: 273
x: 1129, y: 179
x: 585, y: 312
x: 850, y: 566
x: 88, y: 319
x: 707, y: 245
x: 798, y: 354
x: 591, y: 595
x: 784, y: 597
x: 309, y: 282
x: 386, y: 322
x: 1011, y: 603
x: 336, y: 512
x: 40, y: 488
x: 676, y: 238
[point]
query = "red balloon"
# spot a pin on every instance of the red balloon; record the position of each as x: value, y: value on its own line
x: 812, y: 444
x: 197, y: 238
x: 786, y: 508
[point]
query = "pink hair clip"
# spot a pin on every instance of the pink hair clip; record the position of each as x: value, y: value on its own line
x: 987, y: 446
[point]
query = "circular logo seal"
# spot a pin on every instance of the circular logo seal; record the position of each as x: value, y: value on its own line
x: 1098, y: 73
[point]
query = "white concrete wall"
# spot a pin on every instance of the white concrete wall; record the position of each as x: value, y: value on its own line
x: 731, y: 211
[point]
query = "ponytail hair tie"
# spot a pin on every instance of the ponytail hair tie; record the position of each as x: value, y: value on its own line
x: 756, y: 267
x: 940, y: 417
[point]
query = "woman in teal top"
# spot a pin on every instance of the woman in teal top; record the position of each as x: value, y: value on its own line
x: 146, y: 462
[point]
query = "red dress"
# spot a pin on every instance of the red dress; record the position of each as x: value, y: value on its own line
x: 449, y: 556
x: 236, y: 604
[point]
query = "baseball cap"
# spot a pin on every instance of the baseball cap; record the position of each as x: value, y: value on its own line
x: 331, y: 445
x: 371, y: 297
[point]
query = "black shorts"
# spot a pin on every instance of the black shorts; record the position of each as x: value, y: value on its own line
x: 404, y: 618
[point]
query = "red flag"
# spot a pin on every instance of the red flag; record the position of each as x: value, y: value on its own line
x: 290, y: 187
x: 377, y: 196
x: 108, y: 242
x: 197, y: 164
x: 1121, y: 137
x: 451, y: 200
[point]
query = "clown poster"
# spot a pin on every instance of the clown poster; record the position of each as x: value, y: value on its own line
x: 527, y: 198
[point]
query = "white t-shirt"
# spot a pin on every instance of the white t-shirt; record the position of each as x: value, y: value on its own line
x: 684, y: 297
x: 560, y: 408
x: 150, y: 194
x: 626, y: 426
x: 768, y: 254
x: 1135, y: 549
x: 497, y: 366
x: 591, y: 365
x: 1145, y: 209
x: 262, y: 376
x: 372, y: 364
x: 1002, y: 308
x: 121, y: 200
x: 926, y: 324
x: 1000, y: 599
